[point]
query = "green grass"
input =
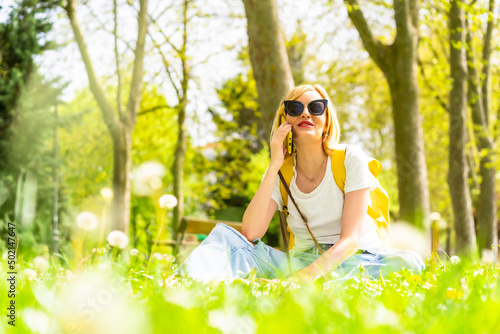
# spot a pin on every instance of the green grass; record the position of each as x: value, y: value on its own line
x: 106, y: 295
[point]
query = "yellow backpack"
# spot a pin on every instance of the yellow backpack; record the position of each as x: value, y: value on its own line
x: 378, y: 210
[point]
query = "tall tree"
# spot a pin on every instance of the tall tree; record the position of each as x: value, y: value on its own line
x: 458, y: 169
x: 120, y: 123
x: 22, y: 36
x: 181, y: 86
x: 268, y: 54
x: 26, y: 119
x: 478, y: 99
x: 398, y: 62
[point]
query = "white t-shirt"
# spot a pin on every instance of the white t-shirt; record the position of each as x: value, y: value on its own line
x: 323, y: 206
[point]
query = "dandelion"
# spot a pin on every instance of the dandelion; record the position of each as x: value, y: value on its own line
x: 157, y: 256
x: 107, y: 194
x: 30, y: 274
x: 168, y: 201
x: 478, y: 272
x: 134, y: 252
x: 169, y: 258
x: 41, y: 263
x: 333, y: 274
x: 171, y: 281
x: 455, y: 259
x: 97, y: 304
x: 452, y: 293
x: 86, y: 221
x: 435, y: 216
x: 147, y: 177
x: 231, y: 322
x: 487, y: 257
x: 156, y: 182
x: 117, y: 239
x: 37, y: 321
x: 415, y: 278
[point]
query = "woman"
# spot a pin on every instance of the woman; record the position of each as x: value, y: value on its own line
x: 339, y: 222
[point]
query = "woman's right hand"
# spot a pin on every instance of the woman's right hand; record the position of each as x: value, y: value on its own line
x: 277, y: 145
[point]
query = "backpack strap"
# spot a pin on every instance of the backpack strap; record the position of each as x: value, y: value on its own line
x: 287, y: 172
x: 338, y: 167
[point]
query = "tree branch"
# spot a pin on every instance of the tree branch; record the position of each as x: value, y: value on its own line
x: 103, y: 27
x: 153, y: 109
x: 378, y: 51
x: 438, y: 98
x: 486, y: 61
x: 134, y: 97
x: 167, y: 67
x: 107, y: 110
x: 167, y: 40
x: 117, y: 62
x: 161, y: 13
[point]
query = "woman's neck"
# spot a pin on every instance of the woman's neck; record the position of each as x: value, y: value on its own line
x: 310, y: 157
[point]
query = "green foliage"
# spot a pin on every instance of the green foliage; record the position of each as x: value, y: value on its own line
x: 461, y: 298
x: 296, y: 49
x: 27, y: 173
x: 88, y: 168
x: 239, y: 136
x: 26, y: 122
x: 22, y: 36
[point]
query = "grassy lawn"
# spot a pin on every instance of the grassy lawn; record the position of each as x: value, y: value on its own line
x: 117, y: 293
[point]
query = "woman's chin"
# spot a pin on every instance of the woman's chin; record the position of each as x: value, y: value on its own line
x: 307, y: 138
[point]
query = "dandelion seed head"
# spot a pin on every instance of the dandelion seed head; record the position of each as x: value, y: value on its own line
x: 30, y: 274
x: 168, y: 201
x: 41, y: 263
x: 157, y: 256
x: 86, y: 220
x: 487, y: 257
x: 37, y: 321
x: 117, y: 239
x: 147, y: 177
x: 107, y: 194
x: 169, y: 258
x: 435, y: 216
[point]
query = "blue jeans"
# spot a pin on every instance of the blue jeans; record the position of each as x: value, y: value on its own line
x: 226, y: 255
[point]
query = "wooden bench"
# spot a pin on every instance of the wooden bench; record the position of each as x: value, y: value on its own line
x: 191, y: 225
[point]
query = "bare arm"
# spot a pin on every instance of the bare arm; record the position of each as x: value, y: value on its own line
x: 261, y: 209
x: 353, y: 215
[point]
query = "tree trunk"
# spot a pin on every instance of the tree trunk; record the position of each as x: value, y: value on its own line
x: 178, y: 168
x: 181, y: 147
x: 271, y: 70
x: 121, y: 127
x: 410, y: 156
x: 487, y: 234
x: 486, y: 59
x: 398, y: 62
x: 122, y: 163
x: 458, y: 171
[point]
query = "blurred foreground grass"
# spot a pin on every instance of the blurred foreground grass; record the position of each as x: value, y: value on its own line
x: 111, y: 293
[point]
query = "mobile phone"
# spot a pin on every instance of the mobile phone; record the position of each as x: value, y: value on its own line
x: 288, y: 139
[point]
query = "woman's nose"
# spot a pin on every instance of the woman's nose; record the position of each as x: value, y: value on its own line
x: 306, y: 113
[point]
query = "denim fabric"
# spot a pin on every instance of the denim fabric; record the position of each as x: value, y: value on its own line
x: 226, y: 255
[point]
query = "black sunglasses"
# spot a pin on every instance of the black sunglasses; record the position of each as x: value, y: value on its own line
x: 296, y: 108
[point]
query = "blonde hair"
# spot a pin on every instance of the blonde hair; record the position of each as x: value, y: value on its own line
x: 331, y: 135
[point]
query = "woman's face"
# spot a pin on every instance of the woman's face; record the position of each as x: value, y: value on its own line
x: 307, y: 126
